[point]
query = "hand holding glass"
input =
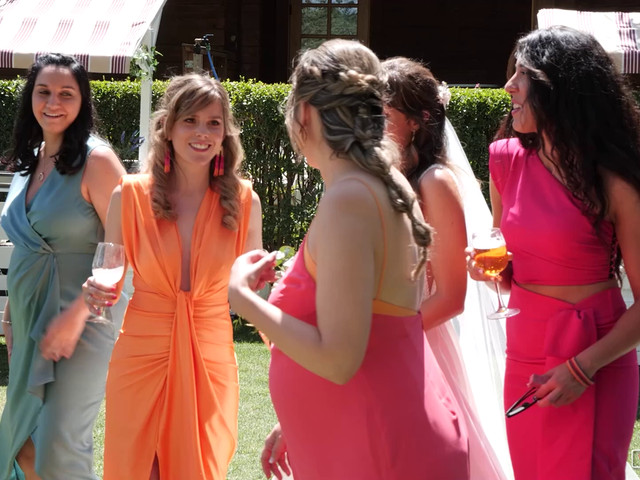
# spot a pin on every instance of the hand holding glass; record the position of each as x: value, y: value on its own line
x: 492, y: 257
x: 107, y: 268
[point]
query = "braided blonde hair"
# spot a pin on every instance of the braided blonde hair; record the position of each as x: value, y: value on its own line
x: 184, y: 96
x: 345, y: 82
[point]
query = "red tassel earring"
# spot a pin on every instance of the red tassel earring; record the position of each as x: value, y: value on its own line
x: 218, y: 164
x: 167, y: 161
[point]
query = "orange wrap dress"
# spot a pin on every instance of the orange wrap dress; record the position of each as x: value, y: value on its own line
x: 172, y: 386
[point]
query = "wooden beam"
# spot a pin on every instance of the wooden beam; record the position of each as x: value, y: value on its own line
x: 540, y: 4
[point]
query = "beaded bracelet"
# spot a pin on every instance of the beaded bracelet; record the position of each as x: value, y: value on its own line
x: 576, y: 371
x: 8, y: 322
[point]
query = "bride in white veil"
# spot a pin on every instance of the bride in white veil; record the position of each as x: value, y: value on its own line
x: 470, y: 349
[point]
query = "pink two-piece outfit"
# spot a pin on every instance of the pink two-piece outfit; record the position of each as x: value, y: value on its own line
x: 395, y: 419
x: 554, y: 243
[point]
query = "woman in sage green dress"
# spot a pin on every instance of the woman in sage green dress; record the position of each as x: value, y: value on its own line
x: 54, y: 217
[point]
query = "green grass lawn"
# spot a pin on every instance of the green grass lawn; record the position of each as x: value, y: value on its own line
x: 256, y: 412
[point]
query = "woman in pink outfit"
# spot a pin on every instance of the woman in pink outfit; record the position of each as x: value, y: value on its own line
x: 565, y: 190
x: 356, y: 388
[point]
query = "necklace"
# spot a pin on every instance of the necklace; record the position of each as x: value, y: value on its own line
x: 44, y: 173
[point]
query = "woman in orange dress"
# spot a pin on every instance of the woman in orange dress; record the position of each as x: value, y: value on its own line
x: 172, y: 387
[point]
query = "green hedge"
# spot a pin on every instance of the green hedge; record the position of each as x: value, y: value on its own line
x: 118, y: 110
x: 475, y: 114
x: 288, y: 188
x: 9, y: 100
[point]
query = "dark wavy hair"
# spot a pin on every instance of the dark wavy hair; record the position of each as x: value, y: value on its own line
x: 27, y: 133
x: 413, y: 90
x: 584, y: 108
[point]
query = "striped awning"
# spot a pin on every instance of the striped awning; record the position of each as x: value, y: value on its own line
x: 103, y: 35
x: 617, y: 32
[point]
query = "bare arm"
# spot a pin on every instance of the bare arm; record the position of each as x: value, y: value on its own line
x: 102, y: 173
x: 561, y: 387
x: 97, y: 296
x: 496, y: 203
x: 342, y: 243
x: 625, y: 335
x: 254, y: 235
x: 113, y: 226
x: 442, y: 209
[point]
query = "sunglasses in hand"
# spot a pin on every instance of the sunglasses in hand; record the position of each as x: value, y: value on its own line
x: 525, y: 401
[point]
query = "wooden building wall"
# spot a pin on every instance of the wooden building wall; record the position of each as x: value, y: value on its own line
x: 462, y: 41
x: 251, y: 37
x: 274, y: 38
x: 465, y: 41
x: 184, y: 20
x: 236, y: 26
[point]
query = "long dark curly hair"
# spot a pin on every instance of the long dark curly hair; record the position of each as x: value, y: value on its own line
x: 585, y: 110
x: 413, y: 90
x: 27, y: 133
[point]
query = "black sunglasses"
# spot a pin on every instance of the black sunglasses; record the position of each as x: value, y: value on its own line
x: 521, y: 405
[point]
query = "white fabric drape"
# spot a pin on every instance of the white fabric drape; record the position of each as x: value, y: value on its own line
x: 471, y: 348
x: 617, y: 32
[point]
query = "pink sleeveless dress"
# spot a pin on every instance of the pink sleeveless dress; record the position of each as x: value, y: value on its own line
x: 395, y: 419
x: 554, y: 243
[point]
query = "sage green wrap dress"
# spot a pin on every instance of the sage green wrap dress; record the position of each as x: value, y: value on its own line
x: 55, y: 403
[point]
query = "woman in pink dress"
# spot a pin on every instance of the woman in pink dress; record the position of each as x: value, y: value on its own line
x: 565, y: 190
x: 356, y: 388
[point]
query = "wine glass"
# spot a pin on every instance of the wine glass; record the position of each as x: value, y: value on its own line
x: 491, y: 256
x: 107, y: 268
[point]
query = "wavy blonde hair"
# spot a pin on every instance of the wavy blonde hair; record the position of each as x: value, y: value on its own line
x: 184, y: 96
x: 345, y: 82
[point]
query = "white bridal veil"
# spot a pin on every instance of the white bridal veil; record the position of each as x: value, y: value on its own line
x: 482, y: 341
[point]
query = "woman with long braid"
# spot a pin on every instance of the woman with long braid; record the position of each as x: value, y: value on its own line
x: 356, y: 388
